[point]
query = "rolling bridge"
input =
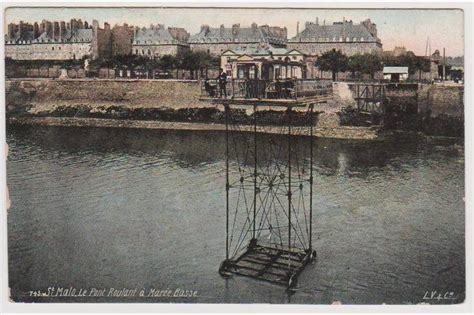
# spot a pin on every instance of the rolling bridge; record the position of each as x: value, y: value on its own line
x: 269, y: 180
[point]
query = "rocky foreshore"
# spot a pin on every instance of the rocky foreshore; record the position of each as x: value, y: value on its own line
x: 341, y: 132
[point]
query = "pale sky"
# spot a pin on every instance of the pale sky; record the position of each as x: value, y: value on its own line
x: 396, y: 27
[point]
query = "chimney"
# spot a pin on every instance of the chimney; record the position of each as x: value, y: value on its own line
x: 68, y: 26
x: 47, y: 27
x: 73, y: 25
x: 371, y: 27
x: 222, y: 30
x: 284, y: 33
x: 36, y: 31
x: 80, y: 25
x: 317, y: 21
x: 86, y: 25
x: 95, y: 28
x: 11, y: 31
x: 344, y: 33
x: 62, y: 30
x: 53, y: 31
x: 236, y: 28
x: 56, y: 35
x: 20, y: 29
x: 106, y: 26
x: 205, y: 29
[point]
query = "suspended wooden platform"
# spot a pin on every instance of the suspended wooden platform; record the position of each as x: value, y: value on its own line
x: 274, y: 265
x: 286, y: 93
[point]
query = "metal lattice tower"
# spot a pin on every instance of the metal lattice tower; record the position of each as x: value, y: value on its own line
x: 269, y: 189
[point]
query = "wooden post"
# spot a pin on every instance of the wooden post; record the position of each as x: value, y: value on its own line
x: 358, y: 96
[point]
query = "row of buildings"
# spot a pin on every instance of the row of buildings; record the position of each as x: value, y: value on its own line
x: 76, y: 39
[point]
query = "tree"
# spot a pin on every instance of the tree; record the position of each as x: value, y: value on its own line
x: 355, y: 64
x: 422, y: 64
x: 194, y: 61
x: 190, y: 61
x: 366, y: 64
x: 410, y: 60
x: 371, y: 64
x: 334, y: 61
x: 168, y: 62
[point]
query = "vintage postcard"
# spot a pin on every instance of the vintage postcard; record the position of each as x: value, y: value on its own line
x: 235, y: 154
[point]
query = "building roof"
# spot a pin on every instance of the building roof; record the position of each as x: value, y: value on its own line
x: 334, y: 33
x: 253, y: 34
x: 261, y: 51
x: 395, y: 70
x: 157, y: 34
x: 27, y: 36
x: 79, y: 35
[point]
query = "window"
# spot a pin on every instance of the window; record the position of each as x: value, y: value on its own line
x: 59, y: 48
x: 136, y: 51
x: 149, y: 51
x: 52, y: 48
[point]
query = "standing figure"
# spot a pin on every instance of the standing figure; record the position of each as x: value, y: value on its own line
x: 222, y: 78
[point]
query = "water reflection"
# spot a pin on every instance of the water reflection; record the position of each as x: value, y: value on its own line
x: 192, y: 149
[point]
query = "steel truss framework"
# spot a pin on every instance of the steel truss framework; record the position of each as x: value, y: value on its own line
x: 269, y: 188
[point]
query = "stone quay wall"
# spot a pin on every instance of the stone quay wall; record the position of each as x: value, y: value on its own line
x: 441, y: 100
x: 46, y: 94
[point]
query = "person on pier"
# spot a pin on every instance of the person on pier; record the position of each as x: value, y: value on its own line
x: 222, y: 78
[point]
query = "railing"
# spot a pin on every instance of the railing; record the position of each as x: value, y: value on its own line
x: 265, y: 89
x: 369, y: 97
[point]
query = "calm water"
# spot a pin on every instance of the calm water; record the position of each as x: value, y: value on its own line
x: 113, y: 208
